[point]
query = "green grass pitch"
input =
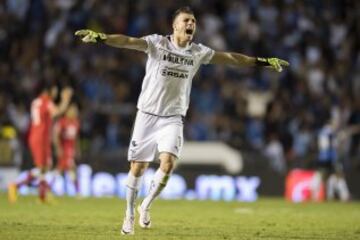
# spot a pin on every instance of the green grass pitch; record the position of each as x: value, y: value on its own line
x: 268, y: 218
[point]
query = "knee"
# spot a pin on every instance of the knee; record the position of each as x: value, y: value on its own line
x: 167, y: 163
x: 138, y: 168
x: 167, y: 167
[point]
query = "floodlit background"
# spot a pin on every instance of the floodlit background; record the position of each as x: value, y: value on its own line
x: 267, y: 121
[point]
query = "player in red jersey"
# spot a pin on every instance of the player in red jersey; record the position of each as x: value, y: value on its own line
x: 66, y: 132
x: 43, y: 111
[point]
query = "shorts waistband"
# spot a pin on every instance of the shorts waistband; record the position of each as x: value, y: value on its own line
x: 182, y: 117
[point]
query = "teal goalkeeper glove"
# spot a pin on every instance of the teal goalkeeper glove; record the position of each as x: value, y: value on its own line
x: 273, y: 63
x: 89, y: 36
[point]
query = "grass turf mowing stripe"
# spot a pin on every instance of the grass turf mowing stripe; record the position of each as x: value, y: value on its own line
x: 101, y: 218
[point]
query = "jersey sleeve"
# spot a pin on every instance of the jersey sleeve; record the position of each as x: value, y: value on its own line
x: 206, y: 54
x: 152, y: 40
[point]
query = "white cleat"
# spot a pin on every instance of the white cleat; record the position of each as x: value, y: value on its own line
x: 144, y: 217
x: 128, y: 226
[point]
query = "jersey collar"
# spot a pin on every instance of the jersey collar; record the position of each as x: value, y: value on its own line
x: 170, y: 38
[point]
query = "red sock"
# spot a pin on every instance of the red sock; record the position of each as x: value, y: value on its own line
x: 43, y: 188
x: 28, y: 180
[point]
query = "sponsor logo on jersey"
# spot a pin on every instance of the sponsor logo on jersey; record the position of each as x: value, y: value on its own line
x: 178, y: 59
x: 170, y: 73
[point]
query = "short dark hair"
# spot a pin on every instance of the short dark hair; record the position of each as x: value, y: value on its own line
x: 185, y: 9
x: 44, y: 85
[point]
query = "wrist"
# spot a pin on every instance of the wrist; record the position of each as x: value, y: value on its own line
x: 260, y: 61
x: 101, y: 37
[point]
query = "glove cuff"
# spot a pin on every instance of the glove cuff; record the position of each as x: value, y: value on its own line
x: 101, y: 37
x: 263, y: 62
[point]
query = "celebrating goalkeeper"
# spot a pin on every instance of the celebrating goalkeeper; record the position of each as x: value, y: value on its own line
x: 172, y: 62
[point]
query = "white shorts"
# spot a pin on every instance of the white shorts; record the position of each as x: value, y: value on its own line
x: 154, y: 134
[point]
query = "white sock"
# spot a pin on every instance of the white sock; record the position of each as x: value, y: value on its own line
x: 343, y: 189
x: 133, y: 185
x: 316, y: 186
x: 331, y: 185
x: 157, y: 185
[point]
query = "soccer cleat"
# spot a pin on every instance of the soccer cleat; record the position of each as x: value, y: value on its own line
x: 50, y: 199
x: 12, y: 193
x: 128, y: 226
x: 144, y: 217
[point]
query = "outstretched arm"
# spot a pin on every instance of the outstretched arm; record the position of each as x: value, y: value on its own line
x: 57, y: 139
x: 59, y: 109
x: 238, y: 59
x: 114, y: 40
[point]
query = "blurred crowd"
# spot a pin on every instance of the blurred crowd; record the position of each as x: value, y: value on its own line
x: 251, y: 109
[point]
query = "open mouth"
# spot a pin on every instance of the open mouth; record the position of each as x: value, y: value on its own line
x: 189, y: 31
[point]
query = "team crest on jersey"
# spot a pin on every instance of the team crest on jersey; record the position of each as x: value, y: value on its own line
x: 178, y: 59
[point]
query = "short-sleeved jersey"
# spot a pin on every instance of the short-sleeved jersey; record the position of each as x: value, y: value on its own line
x: 169, y: 73
x: 327, y: 144
x: 68, y: 130
x: 41, y: 119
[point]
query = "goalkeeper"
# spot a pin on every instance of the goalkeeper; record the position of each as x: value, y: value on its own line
x: 172, y: 62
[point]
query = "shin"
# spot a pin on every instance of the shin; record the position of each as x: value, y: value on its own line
x: 133, y: 184
x: 160, y: 179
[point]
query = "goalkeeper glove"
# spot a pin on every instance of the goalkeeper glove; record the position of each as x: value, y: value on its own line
x: 274, y: 63
x: 89, y: 36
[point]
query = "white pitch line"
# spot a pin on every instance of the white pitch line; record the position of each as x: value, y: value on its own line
x: 244, y: 211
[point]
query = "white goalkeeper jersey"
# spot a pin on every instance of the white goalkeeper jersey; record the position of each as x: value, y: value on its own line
x: 169, y: 73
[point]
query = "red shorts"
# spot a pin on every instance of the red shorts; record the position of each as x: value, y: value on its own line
x: 41, y: 153
x: 66, y: 161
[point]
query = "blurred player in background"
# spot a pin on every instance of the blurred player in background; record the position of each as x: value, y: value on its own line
x: 66, y: 132
x: 43, y: 111
x: 164, y: 99
x: 330, y: 168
